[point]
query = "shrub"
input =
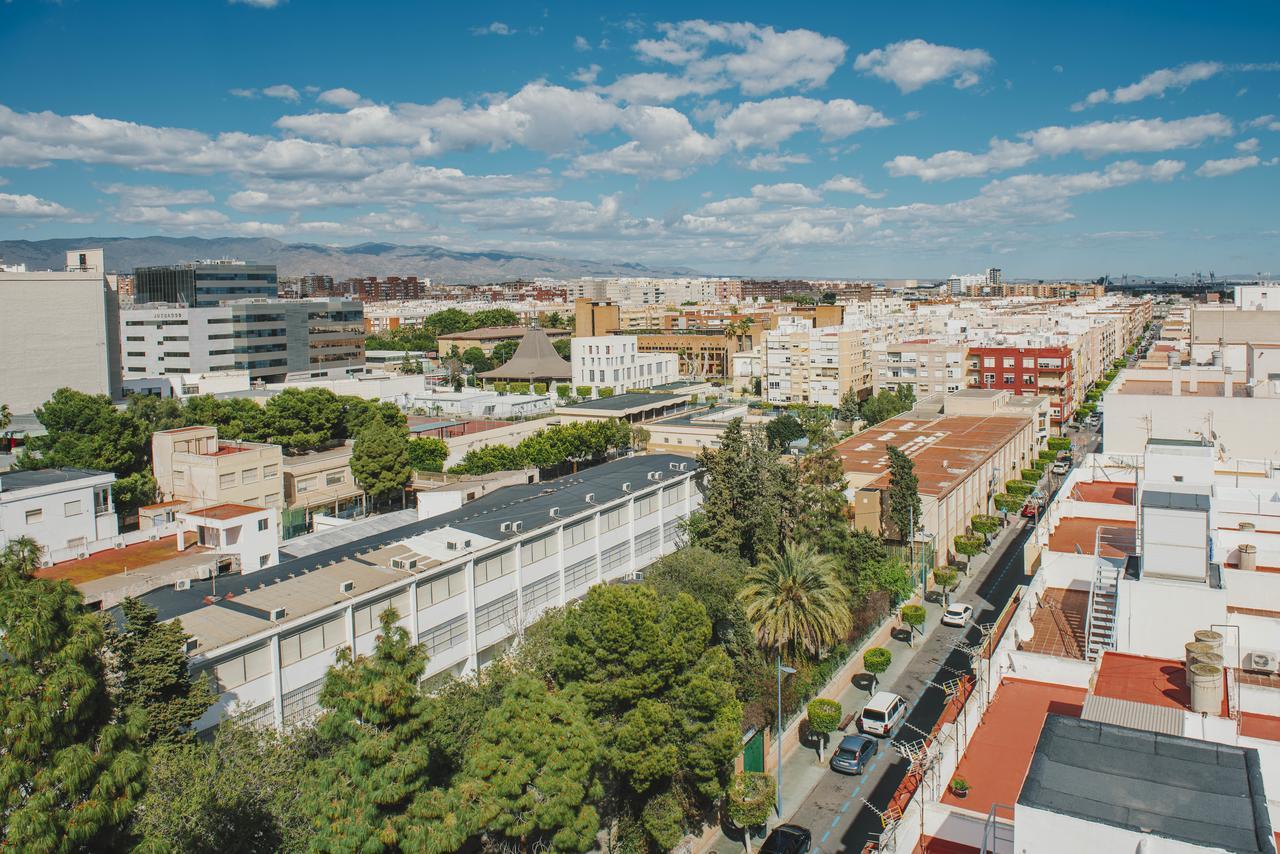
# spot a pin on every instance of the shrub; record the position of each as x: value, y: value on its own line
x: 969, y: 544
x: 913, y: 616
x: 584, y: 391
x: 877, y: 661
x: 1038, y: 465
x: 712, y: 400
x: 518, y: 388
x: 500, y: 387
x: 1059, y: 443
x: 1032, y: 475
x: 959, y: 784
x: 539, y: 388
x: 1008, y: 503
x: 563, y: 391
x: 1018, y: 487
x: 1048, y: 455
x: 984, y: 524
x: 824, y: 719
x: 606, y: 391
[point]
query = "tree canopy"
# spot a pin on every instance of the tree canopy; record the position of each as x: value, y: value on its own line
x: 380, y: 460
x: 573, y: 442
x: 904, y: 494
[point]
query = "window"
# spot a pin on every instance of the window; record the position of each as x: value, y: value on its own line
x: 262, y: 524
x: 312, y: 641
x: 179, y: 477
x: 263, y: 561
x: 646, y: 505
x: 673, y: 494
x: 1028, y: 379
x: 227, y: 480
x: 444, y: 636
x: 270, y: 471
x: 249, y: 476
x: 1029, y: 363
x: 236, y: 671
x: 500, y: 612
x: 575, y: 534
x: 671, y: 533
x: 613, y: 519
x: 438, y: 589
x: 306, y: 484
x: 302, y: 704
x: 580, y: 573
x: 271, y: 498
x: 988, y: 362
x: 369, y: 617
x: 495, y: 567
x: 1008, y: 361
x: 649, y: 541
x: 539, y: 549
x: 71, y: 508
x: 1009, y: 379
x: 543, y: 590
x: 989, y: 379
x: 615, y: 558
x: 334, y: 478
x: 34, y: 516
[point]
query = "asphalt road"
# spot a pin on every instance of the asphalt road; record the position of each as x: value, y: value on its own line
x: 835, y: 812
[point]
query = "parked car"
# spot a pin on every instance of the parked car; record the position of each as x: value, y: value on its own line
x: 788, y: 839
x: 1062, y: 467
x: 884, y: 711
x: 957, y: 614
x: 853, y: 754
x: 1032, y: 508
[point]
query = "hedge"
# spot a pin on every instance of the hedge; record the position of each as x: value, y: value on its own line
x: 539, y: 388
x: 1018, y: 487
x: 563, y: 391
x: 1039, y: 465
x: 969, y: 544
x: 1048, y: 455
x: 518, y: 388
x: 1009, y: 503
x: 584, y: 391
x: 500, y: 387
x: 984, y: 524
x: 606, y: 391
x: 1059, y: 443
x: 1032, y: 474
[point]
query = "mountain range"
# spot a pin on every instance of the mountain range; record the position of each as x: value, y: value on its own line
x: 296, y: 259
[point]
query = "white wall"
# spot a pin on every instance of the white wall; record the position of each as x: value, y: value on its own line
x: 1158, y: 618
x: 1038, y: 831
x: 66, y: 515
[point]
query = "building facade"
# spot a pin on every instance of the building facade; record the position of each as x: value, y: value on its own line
x: 64, y: 510
x: 614, y: 361
x: 928, y: 366
x: 194, y: 466
x: 1048, y: 371
x: 204, y: 283
x: 818, y: 365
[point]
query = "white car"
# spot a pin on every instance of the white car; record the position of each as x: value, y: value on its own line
x: 1061, y: 467
x: 957, y: 615
x: 883, y: 713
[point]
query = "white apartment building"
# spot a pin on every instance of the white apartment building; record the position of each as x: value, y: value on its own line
x: 67, y: 511
x: 464, y: 583
x: 58, y: 329
x: 804, y: 364
x: 271, y: 339
x: 928, y: 365
x: 645, y: 291
x: 613, y: 361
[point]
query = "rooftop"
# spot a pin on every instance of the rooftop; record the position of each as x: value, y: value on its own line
x: 1141, y: 679
x: 1179, y: 788
x: 1058, y: 623
x: 223, y: 512
x: 1000, y: 751
x: 711, y: 417
x: 1164, y: 388
x: 1113, y: 538
x: 1104, y: 492
x: 627, y: 402
x: 114, y: 561
x: 37, y: 478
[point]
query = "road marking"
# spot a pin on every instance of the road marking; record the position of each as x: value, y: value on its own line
x: 845, y: 808
x: 824, y: 837
x: 834, y: 822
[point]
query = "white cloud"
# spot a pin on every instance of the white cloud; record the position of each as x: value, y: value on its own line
x: 663, y: 144
x: 497, y: 28
x: 1092, y: 140
x: 768, y: 123
x: 786, y: 194
x: 759, y: 60
x: 150, y: 196
x: 845, y: 184
x: 580, y: 43
x: 1227, y: 166
x: 32, y: 207
x: 539, y: 213
x: 260, y: 4
x: 340, y: 97
x: 587, y: 76
x: 192, y: 219
x: 283, y: 91
x: 731, y: 207
x: 244, y: 93
x: 1154, y: 85
x: 1247, y: 145
x: 911, y: 65
x: 775, y: 162
x: 658, y: 88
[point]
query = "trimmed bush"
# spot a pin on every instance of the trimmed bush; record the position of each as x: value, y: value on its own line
x: 563, y: 391
x: 969, y: 544
x: 1032, y: 475
x: 1038, y: 465
x: 518, y: 388
x: 606, y: 391
x: 500, y: 387
x: 824, y: 719
x: 539, y: 388
x: 877, y: 661
x: 1018, y: 487
x: 584, y: 391
x: 1048, y: 455
x: 984, y: 524
x: 1008, y: 503
x: 1059, y: 443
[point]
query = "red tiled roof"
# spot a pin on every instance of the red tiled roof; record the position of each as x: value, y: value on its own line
x: 1076, y: 531
x: 1142, y: 679
x: 1105, y: 492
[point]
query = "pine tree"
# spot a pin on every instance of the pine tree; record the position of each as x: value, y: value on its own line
x: 904, y: 494
x: 151, y: 662
x: 70, y: 774
x: 534, y: 765
x: 746, y: 491
x: 373, y: 790
x: 821, y: 508
x: 380, y: 460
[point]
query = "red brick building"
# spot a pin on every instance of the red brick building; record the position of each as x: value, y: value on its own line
x: 1047, y: 371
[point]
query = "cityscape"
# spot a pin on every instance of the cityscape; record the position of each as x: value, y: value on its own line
x: 729, y: 429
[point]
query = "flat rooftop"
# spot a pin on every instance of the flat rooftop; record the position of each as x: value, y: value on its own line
x: 1164, y: 388
x: 1105, y: 492
x: 1113, y: 538
x: 632, y: 400
x: 36, y: 478
x: 945, y: 449
x: 710, y: 417
x: 1143, y: 679
x: 115, y: 561
x: 1000, y: 751
x: 223, y: 512
x: 1180, y: 788
x: 1059, y: 624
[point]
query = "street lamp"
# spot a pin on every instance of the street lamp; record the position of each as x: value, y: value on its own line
x: 782, y: 668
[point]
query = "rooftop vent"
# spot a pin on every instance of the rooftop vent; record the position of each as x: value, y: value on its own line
x: 182, y: 584
x: 346, y: 586
x: 590, y: 498
x: 277, y: 614
x: 626, y: 487
x: 191, y: 645
x: 516, y: 526
x: 504, y: 527
x: 406, y: 564
x: 554, y: 512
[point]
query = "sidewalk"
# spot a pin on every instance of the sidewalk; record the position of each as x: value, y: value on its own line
x: 801, y: 771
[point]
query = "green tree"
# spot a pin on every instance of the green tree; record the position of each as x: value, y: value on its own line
x: 157, y: 413
x: 563, y: 347
x: 235, y: 418
x: 824, y: 718
x: 475, y: 359
x: 876, y: 661
x: 70, y: 772
x: 373, y: 788
x: 534, y: 763
x: 782, y: 431
x: 889, y: 576
x: 427, y: 453
x: 904, y: 494
x: 661, y: 696
x: 796, y: 601
x: 742, y: 512
x: 380, y: 460
x: 968, y: 545
x: 914, y: 617
x: 850, y: 407
x: 489, y: 317
x: 984, y: 524
x: 906, y: 395
x: 946, y: 581
x: 301, y: 420
x: 6, y: 417
x: 151, y: 661
x: 752, y: 797
x: 553, y: 320
x: 503, y: 351
x: 821, y: 509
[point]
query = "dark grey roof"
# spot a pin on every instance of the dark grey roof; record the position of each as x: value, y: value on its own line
x: 1176, y: 500
x: 527, y: 503
x: 12, y: 480
x: 630, y: 400
x: 1180, y: 788
x: 696, y: 417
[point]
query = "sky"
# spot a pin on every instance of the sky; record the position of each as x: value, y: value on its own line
x: 816, y: 139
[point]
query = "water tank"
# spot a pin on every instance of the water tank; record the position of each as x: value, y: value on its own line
x: 1217, y: 358
x: 1196, y: 649
x: 1206, y: 688
x: 1209, y: 658
x: 1248, y: 557
x: 1212, y: 638
x: 1174, y: 358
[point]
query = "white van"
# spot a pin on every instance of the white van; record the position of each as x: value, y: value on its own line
x: 884, y: 712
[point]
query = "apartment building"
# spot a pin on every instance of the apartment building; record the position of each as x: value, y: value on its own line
x: 68, y: 511
x: 808, y: 364
x: 193, y: 466
x: 464, y: 583
x: 82, y: 352
x: 320, y: 483
x: 271, y: 339
x: 1037, y: 365
x: 614, y: 361
x: 489, y: 337
x: 204, y: 283
x: 927, y: 365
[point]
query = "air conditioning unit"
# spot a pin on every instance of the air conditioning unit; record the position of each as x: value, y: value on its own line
x: 191, y: 644
x: 277, y: 614
x: 555, y: 512
x: 466, y: 544
x: 590, y: 498
x: 117, y: 544
x: 504, y: 527
x: 182, y: 584
x: 346, y: 587
x: 1262, y: 661
x: 407, y: 564
x: 451, y: 546
x: 516, y: 526
x: 153, y: 537
x: 626, y: 487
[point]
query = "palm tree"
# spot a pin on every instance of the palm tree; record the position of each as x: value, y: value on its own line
x: 796, y: 601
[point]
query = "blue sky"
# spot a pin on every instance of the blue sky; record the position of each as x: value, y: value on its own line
x: 838, y: 140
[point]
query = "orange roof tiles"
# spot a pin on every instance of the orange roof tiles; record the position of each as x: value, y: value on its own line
x: 1072, y: 533
x: 222, y: 512
x: 1142, y: 679
x: 1000, y: 751
x: 115, y: 561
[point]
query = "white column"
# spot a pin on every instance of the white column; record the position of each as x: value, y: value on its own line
x: 277, y: 684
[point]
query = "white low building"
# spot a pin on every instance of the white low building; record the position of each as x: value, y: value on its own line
x: 476, y: 403
x: 67, y: 511
x: 614, y: 361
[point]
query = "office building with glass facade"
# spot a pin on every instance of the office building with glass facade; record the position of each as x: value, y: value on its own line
x: 204, y: 283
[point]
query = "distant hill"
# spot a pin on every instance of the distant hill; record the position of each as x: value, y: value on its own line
x: 297, y: 259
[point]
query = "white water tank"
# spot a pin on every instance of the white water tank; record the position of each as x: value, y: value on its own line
x: 1248, y: 557
x: 1212, y: 638
x: 1206, y: 688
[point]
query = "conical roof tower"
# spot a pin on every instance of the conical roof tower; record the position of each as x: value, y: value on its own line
x: 534, y: 360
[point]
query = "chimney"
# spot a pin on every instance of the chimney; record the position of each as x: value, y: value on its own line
x: 1175, y: 381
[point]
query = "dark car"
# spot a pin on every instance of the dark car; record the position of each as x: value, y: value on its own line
x: 854, y: 754
x: 788, y: 839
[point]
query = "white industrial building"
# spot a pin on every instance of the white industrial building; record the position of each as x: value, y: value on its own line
x: 614, y: 361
